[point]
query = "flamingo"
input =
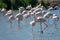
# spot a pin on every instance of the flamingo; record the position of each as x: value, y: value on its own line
x: 10, y: 12
x: 26, y: 16
x: 33, y: 24
x: 29, y: 7
x: 56, y: 19
x: 21, y: 9
x: 3, y: 10
x: 36, y: 19
x: 10, y: 18
x: 38, y: 13
x: 41, y: 20
x: 19, y: 18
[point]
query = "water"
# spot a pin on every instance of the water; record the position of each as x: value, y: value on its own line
x: 7, y: 33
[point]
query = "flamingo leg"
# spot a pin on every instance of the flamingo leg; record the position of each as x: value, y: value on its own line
x: 55, y: 24
x: 10, y: 23
x: 46, y: 25
x: 32, y: 34
x: 48, y: 20
x: 26, y: 22
x: 41, y: 28
x: 18, y: 24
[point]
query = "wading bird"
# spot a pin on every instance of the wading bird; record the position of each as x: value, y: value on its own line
x: 33, y: 24
x: 10, y: 16
x: 21, y: 9
x: 41, y: 20
x: 19, y: 18
x: 9, y: 12
x: 29, y: 7
x: 55, y: 20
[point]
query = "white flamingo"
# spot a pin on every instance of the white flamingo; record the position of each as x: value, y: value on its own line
x: 10, y: 12
x: 21, y: 9
x: 29, y: 7
x: 38, y: 13
x: 35, y: 17
x: 10, y: 18
x: 26, y: 16
x: 55, y: 19
x: 3, y: 11
x: 19, y: 18
x: 33, y: 24
x: 42, y: 20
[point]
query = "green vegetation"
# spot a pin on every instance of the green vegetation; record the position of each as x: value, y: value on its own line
x: 14, y: 4
x: 45, y: 4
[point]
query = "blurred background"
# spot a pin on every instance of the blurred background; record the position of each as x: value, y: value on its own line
x: 14, y: 4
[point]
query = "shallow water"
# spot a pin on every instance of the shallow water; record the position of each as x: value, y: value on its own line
x: 25, y: 32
